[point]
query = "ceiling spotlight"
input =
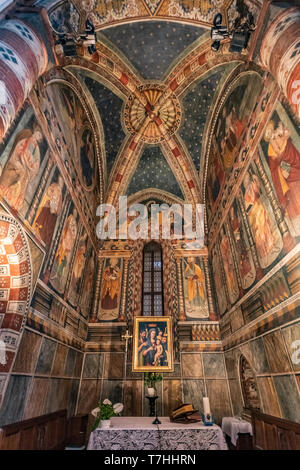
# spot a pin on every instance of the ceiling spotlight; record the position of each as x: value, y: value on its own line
x: 240, y: 33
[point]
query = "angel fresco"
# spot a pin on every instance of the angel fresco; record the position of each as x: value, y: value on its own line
x: 242, y: 249
x: 49, y: 210
x: 21, y: 167
x: 61, y: 265
x: 284, y: 163
x: 194, y: 288
x: 226, y: 254
x: 86, y: 296
x: 234, y: 116
x: 219, y: 285
x: 266, y: 235
x: 87, y: 158
x: 110, y: 290
x: 78, y: 267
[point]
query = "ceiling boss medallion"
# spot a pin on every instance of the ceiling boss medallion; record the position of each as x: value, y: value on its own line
x: 158, y: 112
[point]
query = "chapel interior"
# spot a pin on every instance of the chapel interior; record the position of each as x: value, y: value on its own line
x: 107, y: 98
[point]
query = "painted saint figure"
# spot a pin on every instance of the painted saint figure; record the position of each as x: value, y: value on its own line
x: 111, y: 285
x: 245, y: 261
x: 47, y: 214
x: 62, y: 260
x: 264, y: 231
x: 21, y: 167
x: 78, y: 267
x: 284, y: 163
x: 195, y: 301
x: 228, y: 264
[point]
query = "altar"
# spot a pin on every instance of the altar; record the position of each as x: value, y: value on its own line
x: 138, y: 433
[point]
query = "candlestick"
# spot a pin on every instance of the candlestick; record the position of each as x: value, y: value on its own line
x: 206, y: 406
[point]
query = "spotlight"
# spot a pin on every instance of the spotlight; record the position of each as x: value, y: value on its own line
x: 239, y: 35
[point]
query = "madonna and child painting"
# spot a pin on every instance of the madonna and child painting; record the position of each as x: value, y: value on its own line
x: 152, y: 344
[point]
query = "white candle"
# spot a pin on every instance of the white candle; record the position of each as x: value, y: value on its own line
x: 206, y: 406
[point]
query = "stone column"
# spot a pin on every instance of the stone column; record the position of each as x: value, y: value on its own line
x: 23, y: 58
x: 280, y: 54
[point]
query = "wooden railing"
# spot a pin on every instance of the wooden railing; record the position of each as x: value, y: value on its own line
x: 270, y: 433
x: 47, y: 432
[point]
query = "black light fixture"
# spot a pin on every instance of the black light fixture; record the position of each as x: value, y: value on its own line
x: 70, y: 41
x: 239, y: 34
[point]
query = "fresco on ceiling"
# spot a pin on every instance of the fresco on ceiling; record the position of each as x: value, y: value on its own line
x: 109, y: 107
x: 110, y: 295
x: 195, y: 295
x: 231, y: 123
x: 228, y: 264
x: 49, y: 209
x: 152, y: 47
x: 77, y: 270
x: 88, y: 282
x: 218, y: 281
x: 22, y: 163
x: 266, y: 235
x: 62, y: 262
x: 153, y: 171
x: 281, y: 150
x: 196, y: 104
x: 241, y: 245
x: 103, y: 12
x: 234, y: 115
x: 71, y: 118
x: 215, y: 174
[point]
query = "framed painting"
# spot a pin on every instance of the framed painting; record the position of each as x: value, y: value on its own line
x: 152, y: 344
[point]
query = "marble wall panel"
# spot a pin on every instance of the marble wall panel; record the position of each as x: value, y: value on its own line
x: 288, y: 395
x: 28, y: 352
x: 268, y: 396
x: 36, y: 399
x: 133, y: 398
x: 46, y: 356
x: 93, y: 365
x: 12, y: 409
x: 218, y: 393
x: 213, y: 364
x: 114, y: 366
x: 193, y: 392
x: 172, y: 395
x: 191, y: 365
x: 60, y: 357
x: 276, y: 352
x: 89, y: 395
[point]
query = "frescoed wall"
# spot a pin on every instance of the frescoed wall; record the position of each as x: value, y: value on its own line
x: 255, y: 258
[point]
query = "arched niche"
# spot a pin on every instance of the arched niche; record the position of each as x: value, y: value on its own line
x: 15, y: 292
x: 248, y: 385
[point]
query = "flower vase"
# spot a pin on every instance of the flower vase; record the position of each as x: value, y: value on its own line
x: 105, y: 424
x: 151, y: 392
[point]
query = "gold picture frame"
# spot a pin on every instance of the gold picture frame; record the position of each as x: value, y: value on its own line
x: 152, y: 352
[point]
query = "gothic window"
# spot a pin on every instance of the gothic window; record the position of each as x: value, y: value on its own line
x: 152, y: 280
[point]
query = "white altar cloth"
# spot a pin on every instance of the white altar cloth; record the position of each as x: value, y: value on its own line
x: 233, y: 426
x: 138, y: 433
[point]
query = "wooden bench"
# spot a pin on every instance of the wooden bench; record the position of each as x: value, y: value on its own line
x: 47, y: 432
x: 271, y: 433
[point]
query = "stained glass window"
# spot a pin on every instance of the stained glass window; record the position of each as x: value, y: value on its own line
x: 152, y: 280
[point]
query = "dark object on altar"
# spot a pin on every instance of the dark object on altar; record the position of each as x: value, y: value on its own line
x: 152, y: 405
x: 208, y: 419
x: 185, y: 414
